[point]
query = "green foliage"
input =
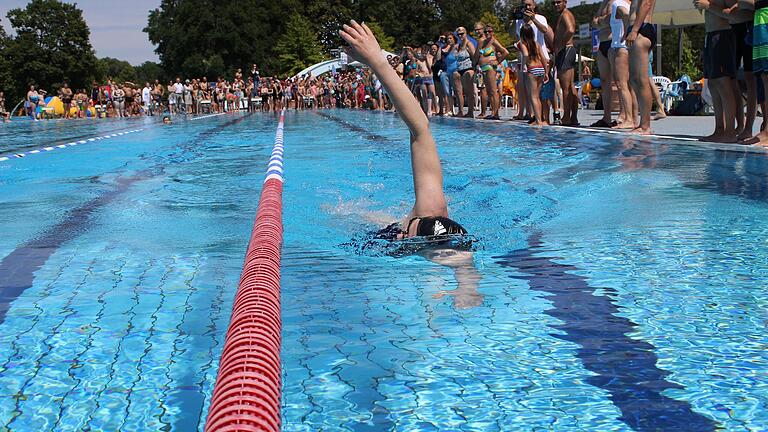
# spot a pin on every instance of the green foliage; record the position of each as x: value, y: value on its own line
x: 236, y: 32
x: 693, y: 44
x: 298, y: 47
x: 490, y: 19
x: 148, y: 72
x: 386, y: 42
x: 51, y: 46
x: 6, y: 79
x: 116, y: 70
x: 464, y: 13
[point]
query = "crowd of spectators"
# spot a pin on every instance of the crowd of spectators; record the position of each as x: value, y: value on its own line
x: 464, y: 71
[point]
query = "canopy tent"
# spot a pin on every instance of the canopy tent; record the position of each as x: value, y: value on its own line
x: 333, y: 64
x: 677, y: 13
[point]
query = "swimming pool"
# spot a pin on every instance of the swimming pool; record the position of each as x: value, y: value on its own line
x: 616, y: 285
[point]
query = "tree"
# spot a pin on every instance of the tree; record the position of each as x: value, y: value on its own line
x: 386, y: 42
x: 225, y: 34
x: 52, y: 45
x: 499, y: 30
x: 6, y: 79
x: 299, y: 46
x: 148, y: 72
x: 464, y: 13
x: 117, y: 70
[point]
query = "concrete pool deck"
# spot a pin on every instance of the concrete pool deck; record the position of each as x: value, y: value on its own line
x: 683, y: 129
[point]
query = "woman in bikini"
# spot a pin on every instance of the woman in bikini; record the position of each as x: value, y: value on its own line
x: 463, y: 77
x: 537, y: 69
x: 488, y: 56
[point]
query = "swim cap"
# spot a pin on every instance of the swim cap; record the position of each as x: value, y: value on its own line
x: 438, y: 225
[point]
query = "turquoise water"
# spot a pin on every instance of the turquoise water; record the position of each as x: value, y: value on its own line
x: 617, y: 283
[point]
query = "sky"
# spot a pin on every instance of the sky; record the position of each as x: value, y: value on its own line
x: 116, y: 26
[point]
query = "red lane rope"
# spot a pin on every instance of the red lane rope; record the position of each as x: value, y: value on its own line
x: 246, y: 396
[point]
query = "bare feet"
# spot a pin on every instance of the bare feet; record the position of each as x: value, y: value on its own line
x: 745, y: 135
x: 760, y: 139
x: 728, y: 138
x: 641, y: 131
x: 714, y: 137
x: 624, y: 125
x: 659, y: 116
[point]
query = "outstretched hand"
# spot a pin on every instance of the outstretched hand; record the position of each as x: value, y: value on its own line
x: 363, y: 45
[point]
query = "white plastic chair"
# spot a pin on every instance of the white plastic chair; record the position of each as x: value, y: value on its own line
x: 663, y: 84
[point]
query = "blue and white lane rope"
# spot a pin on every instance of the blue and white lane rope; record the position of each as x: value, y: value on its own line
x: 71, y: 144
x: 275, y: 165
x: 207, y: 116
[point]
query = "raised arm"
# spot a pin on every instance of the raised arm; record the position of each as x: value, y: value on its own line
x: 427, y: 174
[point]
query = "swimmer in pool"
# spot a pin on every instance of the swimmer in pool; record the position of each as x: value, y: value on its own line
x: 429, y: 216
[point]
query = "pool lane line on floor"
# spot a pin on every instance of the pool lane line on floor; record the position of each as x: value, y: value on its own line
x: 70, y: 144
x: 250, y: 371
x: 624, y: 367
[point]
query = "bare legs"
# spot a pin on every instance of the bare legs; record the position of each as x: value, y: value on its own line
x: 606, y: 78
x: 493, y: 93
x: 534, y: 83
x: 638, y: 68
x: 724, y: 103
x: 570, y: 98
x: 620, y: 65
x: 522, y: 95
x: 468, y: 87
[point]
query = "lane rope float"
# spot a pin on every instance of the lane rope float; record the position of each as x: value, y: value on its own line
x: 246, y: 396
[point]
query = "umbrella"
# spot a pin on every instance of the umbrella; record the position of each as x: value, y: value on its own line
x: 677, y: 13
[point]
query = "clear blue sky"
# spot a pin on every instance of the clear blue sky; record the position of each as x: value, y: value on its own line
x: 116, y: 25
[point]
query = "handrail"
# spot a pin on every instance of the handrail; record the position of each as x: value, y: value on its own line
x: 246, y: 396
x: 17, y: 105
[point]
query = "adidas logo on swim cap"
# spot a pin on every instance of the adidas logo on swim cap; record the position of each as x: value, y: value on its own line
x: 439, y: 228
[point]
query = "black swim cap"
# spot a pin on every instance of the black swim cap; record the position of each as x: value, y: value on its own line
x: 438, y: 225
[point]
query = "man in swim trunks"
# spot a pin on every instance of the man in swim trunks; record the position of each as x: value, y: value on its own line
x: 65, y: 94
x: 565, y: 61
x: 640, y: 40
x: 720, y: 69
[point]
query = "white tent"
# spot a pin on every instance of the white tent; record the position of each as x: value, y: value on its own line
x: 329, y: 65
x: 677, y: 13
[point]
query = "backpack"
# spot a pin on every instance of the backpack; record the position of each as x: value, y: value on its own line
x: 690, y: 105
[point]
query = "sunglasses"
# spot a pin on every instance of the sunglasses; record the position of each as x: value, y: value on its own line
x: 479, y: 30
x: 461, y: 34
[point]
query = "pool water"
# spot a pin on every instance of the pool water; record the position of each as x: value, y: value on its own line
x: 617, y: 283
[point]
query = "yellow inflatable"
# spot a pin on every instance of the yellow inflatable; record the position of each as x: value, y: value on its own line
x: 57, y: 105
x: 73, y: 111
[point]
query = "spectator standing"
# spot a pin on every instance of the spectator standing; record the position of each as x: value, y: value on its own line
x: 544, y: 37
x: 640, y: 40
x: 565, y: 61
x: 741, y: 15
x: 720, y: 69
x: 602, y: 22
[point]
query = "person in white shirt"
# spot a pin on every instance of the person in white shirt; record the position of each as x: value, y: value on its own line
x: 544, y: 37
x: 146, y: 95
x: 178, y: 93
x: 619, y: 58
